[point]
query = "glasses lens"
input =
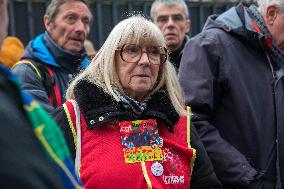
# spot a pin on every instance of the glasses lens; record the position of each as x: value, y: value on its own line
x: 131, y: 53
x: 154, y: 54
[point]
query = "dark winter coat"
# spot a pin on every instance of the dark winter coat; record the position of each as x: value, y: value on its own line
x: 237, y: 99
x: 64, y: 65
x: 94, y: 103
x: 23, y: 162
x: 175, y: 56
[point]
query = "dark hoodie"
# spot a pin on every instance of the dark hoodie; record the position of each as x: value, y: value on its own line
x: 237, y: 96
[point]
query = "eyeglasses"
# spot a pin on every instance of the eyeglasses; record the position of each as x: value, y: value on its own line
x: 132, y: 53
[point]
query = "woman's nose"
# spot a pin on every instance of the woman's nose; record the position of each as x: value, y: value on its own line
x: 144, y: 58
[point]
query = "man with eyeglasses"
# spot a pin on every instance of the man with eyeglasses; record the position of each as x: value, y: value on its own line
x: 171, y: 16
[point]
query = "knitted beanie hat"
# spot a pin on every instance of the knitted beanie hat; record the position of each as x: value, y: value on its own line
x: 11, y: 51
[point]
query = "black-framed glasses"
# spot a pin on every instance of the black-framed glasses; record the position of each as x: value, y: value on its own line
x: 132, y: 53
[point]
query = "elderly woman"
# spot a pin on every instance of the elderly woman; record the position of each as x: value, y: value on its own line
x: 124, y: 118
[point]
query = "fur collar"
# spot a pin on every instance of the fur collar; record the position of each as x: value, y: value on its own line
x: 99, y: 108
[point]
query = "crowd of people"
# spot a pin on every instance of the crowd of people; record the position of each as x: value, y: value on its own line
x: 152, y: 108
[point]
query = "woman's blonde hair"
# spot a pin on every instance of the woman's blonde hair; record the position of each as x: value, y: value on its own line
x: 102, y: 72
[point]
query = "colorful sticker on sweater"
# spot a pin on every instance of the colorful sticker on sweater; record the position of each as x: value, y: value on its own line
x: 141, y: 141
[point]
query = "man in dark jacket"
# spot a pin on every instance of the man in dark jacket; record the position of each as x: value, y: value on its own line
x: 59, y: 52
x: 171, y: 16
x: 232, y: 75
x: 23, y: 161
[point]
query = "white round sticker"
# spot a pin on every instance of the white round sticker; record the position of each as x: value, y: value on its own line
x: 157, y: 169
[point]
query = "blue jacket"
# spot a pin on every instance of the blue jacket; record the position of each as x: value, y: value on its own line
x: 237, y: 98
x: 63, y: 64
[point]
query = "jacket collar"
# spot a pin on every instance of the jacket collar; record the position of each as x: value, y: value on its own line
x: 45, y: 50
x: 175, y: 56
x: 99, y: 107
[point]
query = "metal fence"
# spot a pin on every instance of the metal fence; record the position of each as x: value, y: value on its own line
x: 26, y: 16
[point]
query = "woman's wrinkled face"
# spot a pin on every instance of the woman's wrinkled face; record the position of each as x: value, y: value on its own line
x: 137, y: 67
